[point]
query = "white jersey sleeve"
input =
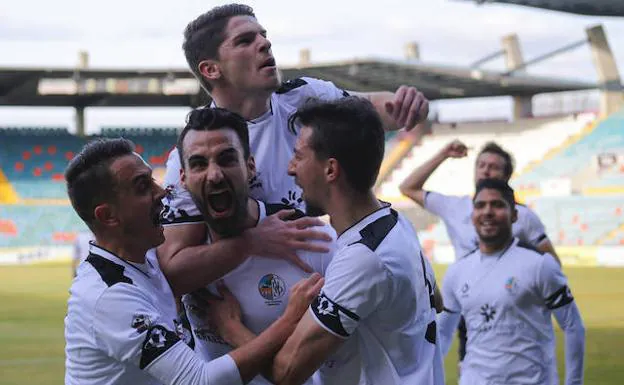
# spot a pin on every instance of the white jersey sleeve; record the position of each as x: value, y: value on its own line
x: 298, y: 91
x: 179, y: 206
x: 529, y: 227
x: 324, y: 90
x: 135, y: 334
x: 444, y: 206
x: 356, y: 283
x: 553, y: 284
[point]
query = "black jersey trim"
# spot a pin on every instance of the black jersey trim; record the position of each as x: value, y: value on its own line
x: 110, y: 272
x: 430, y: 334
x: 560, y: 298
x: 274, y: 208
x: 375, y: 232
x: 329, y: 313
x: 157, y: 341
x: 290, y: 85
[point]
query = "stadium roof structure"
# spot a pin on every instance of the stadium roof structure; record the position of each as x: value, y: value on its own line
x: 580, y: 7
x: 177, y: 87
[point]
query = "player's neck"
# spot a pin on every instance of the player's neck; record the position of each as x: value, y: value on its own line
x: 345, y: 210
x: 124, y: 250
x: 253, y: 215
x: 495, y: 245
x: 248, y: 105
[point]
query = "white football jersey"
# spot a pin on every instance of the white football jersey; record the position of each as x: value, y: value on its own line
x: 272, y: 139
x: 507, y: 299
x: 121, y: 328
x: 261, y: 286
x: 456, y: 212
x: 378, y: 298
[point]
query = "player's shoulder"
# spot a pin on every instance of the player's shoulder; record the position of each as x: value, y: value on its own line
x: 528, y: 249
x: 373, y: 234
x: 525, y: 212
x: 305, y: 88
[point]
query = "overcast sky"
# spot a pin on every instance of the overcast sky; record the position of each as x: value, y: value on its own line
x: 137, y: 33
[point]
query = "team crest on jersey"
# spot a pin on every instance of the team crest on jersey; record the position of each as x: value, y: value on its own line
x: 141, y: 322
x: 272, y: 288
x: 511, y: 285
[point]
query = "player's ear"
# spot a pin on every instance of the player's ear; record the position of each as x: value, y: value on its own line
x: 209, y: 69
x: 251, y: 168
x: 106, y: 215
x: 183, y: 177
x: 332, y: 170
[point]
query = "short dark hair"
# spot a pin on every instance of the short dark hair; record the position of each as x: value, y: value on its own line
x: 204, y: 35
x: 494, y: 148
x: 349, y: 130
x: 499, y: 185
x: 88, y: 176
x: 210, y: 119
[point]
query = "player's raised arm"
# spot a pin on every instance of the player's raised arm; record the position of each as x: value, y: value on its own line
x: 412, y: 186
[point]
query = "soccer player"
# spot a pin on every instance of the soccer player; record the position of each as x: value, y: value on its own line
x: 374, y: 320
x: 507, y: 292
x: 492, y: 162
x: 229, y: 52
x: 217, y: 167
x: 455, y: 211
x: 120, y: 326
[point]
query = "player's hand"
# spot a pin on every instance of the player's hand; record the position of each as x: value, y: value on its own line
x: 277, y: 237
x: 455, y: 149
x: 222, y: 314
x: 408, y: 108
x: 301, y: 296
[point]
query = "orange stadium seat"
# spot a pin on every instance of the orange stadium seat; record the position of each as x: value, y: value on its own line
x: 52, y: 150
x: 8, y: 227
x: 37, y: 150
x: 19, y: 166
x: 26, y: 155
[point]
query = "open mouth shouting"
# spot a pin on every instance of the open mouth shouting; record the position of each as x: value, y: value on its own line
x: 220, y: 204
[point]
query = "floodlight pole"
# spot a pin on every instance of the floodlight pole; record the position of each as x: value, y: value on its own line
x: 522, y: 105
x: 83, y: 63
x: 611, y: 92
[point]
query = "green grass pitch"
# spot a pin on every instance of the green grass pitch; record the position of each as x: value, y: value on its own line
x: 33, y: 301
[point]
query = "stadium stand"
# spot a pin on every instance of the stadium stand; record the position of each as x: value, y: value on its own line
x: 153, y: 143
x: 34, y: 158
x: 579, y: 158
x: 43, y: 225
x: 525, y: 139
x: 589, y: 155
x: 34, y: 209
